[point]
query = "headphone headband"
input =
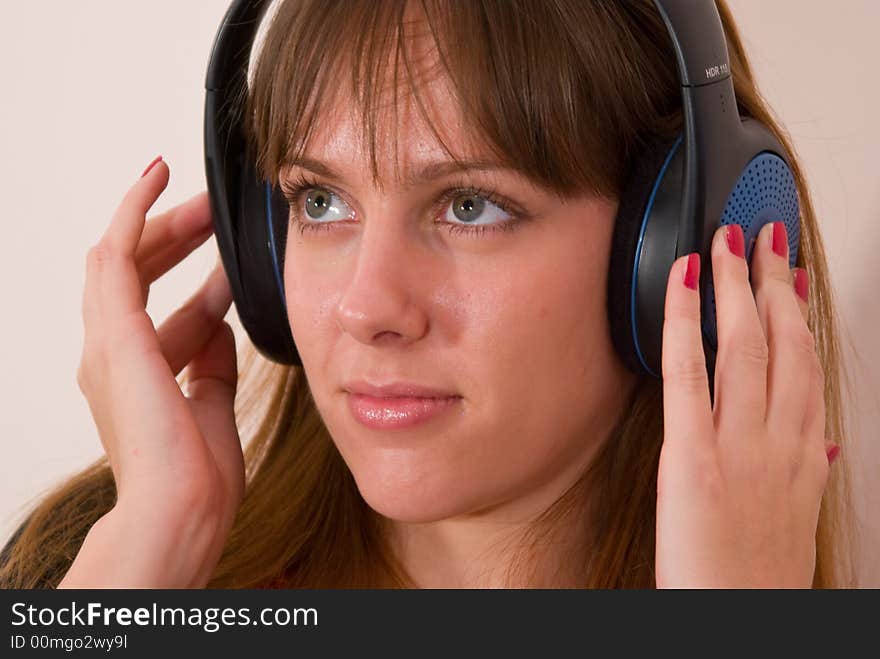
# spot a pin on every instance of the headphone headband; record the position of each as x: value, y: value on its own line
x: 698, y: 38
x: 230, y: 54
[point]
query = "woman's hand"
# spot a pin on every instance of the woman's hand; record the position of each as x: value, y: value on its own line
x: 739, y: 486
x: 176, y: 458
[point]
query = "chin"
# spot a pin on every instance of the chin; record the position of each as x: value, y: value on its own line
x: 412, y: 501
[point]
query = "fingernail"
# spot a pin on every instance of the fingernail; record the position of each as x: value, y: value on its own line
x: 735, y: 240
x: 801, y: 283
x: 780, y: 239
x: 692, y: 271
x: 151, y: 165
x: 832, y: 453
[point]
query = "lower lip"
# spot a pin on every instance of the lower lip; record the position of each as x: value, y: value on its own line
x: 391, y: 413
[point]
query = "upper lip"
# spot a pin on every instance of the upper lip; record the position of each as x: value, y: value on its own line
x: 395, y: 390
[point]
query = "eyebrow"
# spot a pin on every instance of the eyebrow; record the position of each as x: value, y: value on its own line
x: 428, y: 172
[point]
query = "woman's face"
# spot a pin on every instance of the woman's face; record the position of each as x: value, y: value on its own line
x: 513, y: 322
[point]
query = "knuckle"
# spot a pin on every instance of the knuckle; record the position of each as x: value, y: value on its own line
x: 800, y: 337
x: 81, y: 377
x: 87, y: 368
x: 752, y: 349
x: 99, y: 255
x: 194, y: 311
x: 199, y: 310
x: 687, y: 372
x: 768, y: 284
x: 681, y: 311
x: 780, y: 277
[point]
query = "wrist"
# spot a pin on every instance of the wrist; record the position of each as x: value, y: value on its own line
x: 144, y: 549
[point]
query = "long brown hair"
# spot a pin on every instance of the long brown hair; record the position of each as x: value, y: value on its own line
x: 583, y: 86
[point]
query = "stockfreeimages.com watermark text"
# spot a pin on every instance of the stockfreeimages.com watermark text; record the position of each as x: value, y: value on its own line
x: 211, y: 619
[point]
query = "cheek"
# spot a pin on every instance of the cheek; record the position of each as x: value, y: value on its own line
x: 551, y: 358
x: 310, y: 303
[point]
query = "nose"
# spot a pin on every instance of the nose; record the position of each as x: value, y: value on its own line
x: 382, y: 305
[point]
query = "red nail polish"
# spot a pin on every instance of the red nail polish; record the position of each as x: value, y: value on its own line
x: 832, y: 453
x: 780, y: 239
x: 801, y: 283
x: 151, y: 165
x: 692, y: 272
x: 735, y: 240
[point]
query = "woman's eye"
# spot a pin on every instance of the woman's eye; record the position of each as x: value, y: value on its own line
x: 322, y: 206
x: 472, y: 208
x: 461, y: 210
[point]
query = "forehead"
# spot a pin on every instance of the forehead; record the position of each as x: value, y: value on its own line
x: 402, y: 130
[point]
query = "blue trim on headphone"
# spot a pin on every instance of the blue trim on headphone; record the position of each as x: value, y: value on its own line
x: 272, y: 248
x: 632, y: 297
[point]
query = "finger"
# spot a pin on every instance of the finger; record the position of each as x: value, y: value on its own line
x: 127, y: 225
x: 163, y: 262
x: 802, y: 289
x: 212, y: 374
x: 814, y: 417
x: 741, y: 365
x: 791, y: 346
x: 813, y: 425
x: 169, y: 237
x: 157, y: 266
x: 188, y: 329
x: 687, y: 409
x: 119, y: 288
x: 211, y: 384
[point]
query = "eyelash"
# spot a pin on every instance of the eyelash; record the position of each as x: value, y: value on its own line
x: 292, y: 191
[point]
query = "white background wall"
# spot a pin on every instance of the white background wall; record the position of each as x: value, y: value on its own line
x: 92, y: 90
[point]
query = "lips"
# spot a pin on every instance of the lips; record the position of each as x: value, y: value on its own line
x: 392, y: 413
x: 396, y: 390
x: 398, y: 404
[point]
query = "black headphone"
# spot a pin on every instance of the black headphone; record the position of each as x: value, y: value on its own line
x: 723, y: 169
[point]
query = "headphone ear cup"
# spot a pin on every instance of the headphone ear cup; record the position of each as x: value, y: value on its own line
x: 653, y: 171
x: 262, y: 233
x: 765, y: 191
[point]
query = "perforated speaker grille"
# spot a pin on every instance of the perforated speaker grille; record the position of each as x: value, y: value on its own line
x: 765, y: 192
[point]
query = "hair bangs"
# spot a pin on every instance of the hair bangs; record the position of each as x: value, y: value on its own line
x: 548, y: 105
